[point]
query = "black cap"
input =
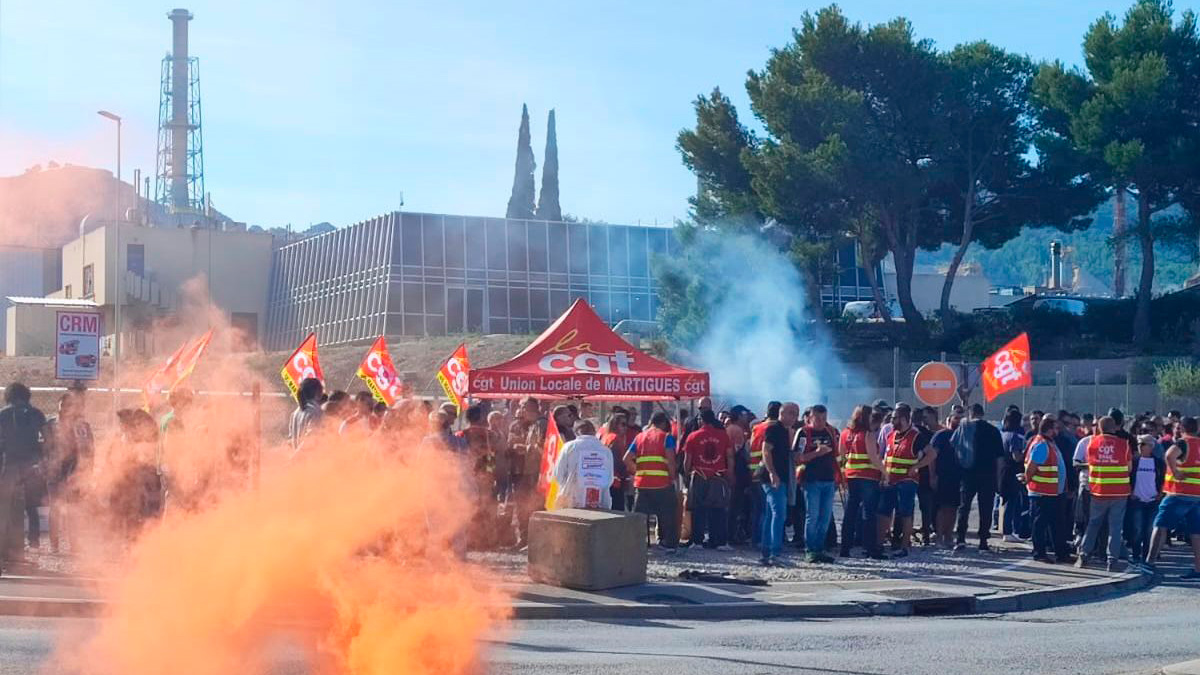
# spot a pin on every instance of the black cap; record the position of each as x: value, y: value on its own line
x: 1117, y: 415
x: 882, y: 405
x: 739, y: 410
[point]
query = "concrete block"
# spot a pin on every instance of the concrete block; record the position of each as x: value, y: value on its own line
x: 587, y: 550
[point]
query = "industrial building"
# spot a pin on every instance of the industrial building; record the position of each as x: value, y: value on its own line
x: 436, y: 274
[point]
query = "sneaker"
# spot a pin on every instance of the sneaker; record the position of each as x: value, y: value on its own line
x: 765, y: 562
x: 777, y: 561
x: 813, y: 558
x: 877, y: 555
x: 960, y: 546
x: 1065, y: 560
x: 724, y: 548
x: 1113, y: 566
x: 1149, y: 569
x: 825, y: 558
x: 902, y: 553
x: 1081, y: 562
x: 1012, y: 539
x: 1043, y: 558
x: 1192, y: 575
x: 670, y: 550
x: 983, y: 547
x: 844, y: 553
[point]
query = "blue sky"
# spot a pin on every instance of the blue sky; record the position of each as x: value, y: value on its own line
x: 326, y: 111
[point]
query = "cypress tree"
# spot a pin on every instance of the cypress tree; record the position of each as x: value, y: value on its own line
x: 520, y: 204
x: 548, y: 207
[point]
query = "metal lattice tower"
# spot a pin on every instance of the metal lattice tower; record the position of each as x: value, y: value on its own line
x: 179, y: 179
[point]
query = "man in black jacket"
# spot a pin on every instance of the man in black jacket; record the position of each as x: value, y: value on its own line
x: 980, y: 479
x: 21, y: 481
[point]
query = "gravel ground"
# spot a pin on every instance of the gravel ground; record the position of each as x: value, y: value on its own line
x: 743, y: 562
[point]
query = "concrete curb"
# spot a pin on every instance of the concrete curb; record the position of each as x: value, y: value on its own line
x: 1020, y: 601
x: 1185, y: 668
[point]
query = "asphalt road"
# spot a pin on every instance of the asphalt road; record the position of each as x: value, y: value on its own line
x: 1138, y: 633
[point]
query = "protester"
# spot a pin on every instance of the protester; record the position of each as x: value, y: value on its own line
x: 740, y: 507
x: 617, y: 442
x: 502, y: 457
x: 863, y: 469
x: 308, y: 413
x: 138, y: 495
x: 70, y: 453
x: 980, y: 450
x: 525, y: 436
x: 362, y: 415
x: 1149, y: 474
x: 1180, y: 507
x: 1045, y: 479
x: 947, y: 474
x: 815, y: 448
x: 584, y: 471
x: 774, y: 476
x: 1014, y: 500
x: 22, y: 482
x: 708, y: 464
x: 1109, y: 464
x: 904, y: 456
x: 755, y: 465
x: 651, y: 460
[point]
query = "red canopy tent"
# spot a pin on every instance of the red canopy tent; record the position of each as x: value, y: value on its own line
x: 579, y: 356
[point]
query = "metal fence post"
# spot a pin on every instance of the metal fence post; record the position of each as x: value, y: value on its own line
x: 1066, y: 384
x: 895, y: 374
x: 1128, y: 382
x: 1096, y: 392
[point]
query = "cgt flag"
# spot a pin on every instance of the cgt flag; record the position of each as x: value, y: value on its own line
x: 177, y: 369
x: 1007, y: 369
x: 377, y: 371
x: 550, y: 450
x: 302, y: 365
x: 454, y: 376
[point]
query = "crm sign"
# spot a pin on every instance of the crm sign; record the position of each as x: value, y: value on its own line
x: 77, y: 346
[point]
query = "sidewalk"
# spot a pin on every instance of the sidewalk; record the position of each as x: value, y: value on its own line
x: 930, y: 582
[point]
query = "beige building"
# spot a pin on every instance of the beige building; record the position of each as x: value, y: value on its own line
x: 971, y: 289
x: 155, y: 263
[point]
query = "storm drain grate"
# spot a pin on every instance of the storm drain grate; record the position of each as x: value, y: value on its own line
x: 933, y: 603
x: 665, y: 599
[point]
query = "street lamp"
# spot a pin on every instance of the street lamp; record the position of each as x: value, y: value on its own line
x: 117, y: 262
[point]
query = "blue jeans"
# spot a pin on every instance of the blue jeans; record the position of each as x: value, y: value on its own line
x: 862, y: 506
x: 1015, y: 502
x: 1141, y: 518
x: 818, y: 502
x: 774, y: 514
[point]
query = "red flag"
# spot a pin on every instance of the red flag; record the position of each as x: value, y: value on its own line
x: 302, y: 365
x: 177, y: 369
x: 1007, y: 369
x: 377, y: 371
x: 454, y: 375
x: 550, y: 449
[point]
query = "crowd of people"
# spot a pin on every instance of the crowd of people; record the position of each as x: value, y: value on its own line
x: 1081, y: 489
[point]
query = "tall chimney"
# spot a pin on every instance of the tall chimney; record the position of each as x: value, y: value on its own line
x: 179, y: 107
x: 1055, y: 265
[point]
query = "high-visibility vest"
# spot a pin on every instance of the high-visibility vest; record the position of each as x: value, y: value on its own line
x: 1187, y: 482
x: 901, y: 455
x: 858, y: 462
x: 1108, y: 461
x: 757, y: 435
x: 652, y: 469
x: 1044, y: 480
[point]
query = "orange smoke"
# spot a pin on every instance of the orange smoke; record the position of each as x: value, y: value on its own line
x: 346, y: 551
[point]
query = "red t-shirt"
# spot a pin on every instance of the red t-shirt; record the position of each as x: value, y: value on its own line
x: 708, y: 449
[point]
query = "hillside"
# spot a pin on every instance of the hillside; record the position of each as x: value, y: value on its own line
x: 1025, y: 260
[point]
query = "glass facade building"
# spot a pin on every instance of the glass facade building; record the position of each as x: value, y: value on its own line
x: 434, y: 274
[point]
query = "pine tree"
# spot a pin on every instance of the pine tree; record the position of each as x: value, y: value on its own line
x: 520, y: 204
x: 548, y: 207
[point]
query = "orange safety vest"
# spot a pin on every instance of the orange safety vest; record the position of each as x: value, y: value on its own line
x: 1108, y: 461
x: 757, y: 435
x: 901, y: 455
x: 858, y: 462
x: 1187, y: 483
x: 1044, y: 480
x: 653, y: 472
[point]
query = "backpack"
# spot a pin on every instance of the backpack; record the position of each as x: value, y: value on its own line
x: 963, y: 441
